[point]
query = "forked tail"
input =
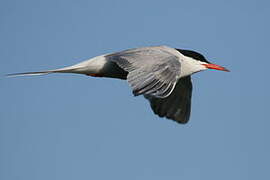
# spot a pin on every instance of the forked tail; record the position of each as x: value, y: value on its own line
x: 62, y: 70
x: 29, y: 74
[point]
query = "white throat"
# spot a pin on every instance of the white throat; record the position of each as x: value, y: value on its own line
x: 190, y: 66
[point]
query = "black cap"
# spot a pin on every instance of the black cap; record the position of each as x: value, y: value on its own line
x: 193, y: 54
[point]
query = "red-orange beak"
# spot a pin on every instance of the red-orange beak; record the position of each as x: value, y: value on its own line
x: 216, y: 67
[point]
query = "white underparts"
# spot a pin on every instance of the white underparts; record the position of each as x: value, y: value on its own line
x: 90, y: 66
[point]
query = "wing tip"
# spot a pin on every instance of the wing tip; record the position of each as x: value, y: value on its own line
x: 180, y: 120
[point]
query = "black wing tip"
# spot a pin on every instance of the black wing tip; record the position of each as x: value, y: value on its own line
x: 183, y: 120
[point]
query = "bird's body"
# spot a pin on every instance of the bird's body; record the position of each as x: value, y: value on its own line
x: 160, y: 73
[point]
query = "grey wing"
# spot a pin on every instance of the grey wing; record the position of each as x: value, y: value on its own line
x: 177, y: 105
x: 151, y: 70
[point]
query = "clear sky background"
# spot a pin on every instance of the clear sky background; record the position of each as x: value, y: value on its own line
x: 71, y: 127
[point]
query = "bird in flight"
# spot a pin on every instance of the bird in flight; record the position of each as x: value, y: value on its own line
x: 160, y: 73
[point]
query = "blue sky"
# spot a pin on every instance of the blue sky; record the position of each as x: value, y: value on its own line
x: 78, y: 127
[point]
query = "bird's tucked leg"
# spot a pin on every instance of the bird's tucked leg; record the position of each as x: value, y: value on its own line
x: 95, y: 75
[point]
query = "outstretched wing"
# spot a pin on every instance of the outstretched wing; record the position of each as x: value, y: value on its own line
x: 177, y: 105
x: 151, y: 70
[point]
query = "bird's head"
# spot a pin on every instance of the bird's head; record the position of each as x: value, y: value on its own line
x: 196, y: 62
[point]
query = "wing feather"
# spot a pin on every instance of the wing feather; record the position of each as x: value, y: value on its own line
x: 177, y: 105
x: 152, y: 70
